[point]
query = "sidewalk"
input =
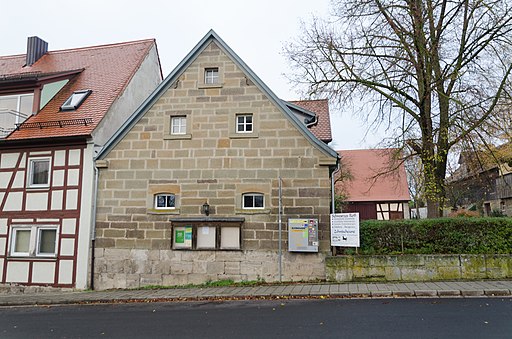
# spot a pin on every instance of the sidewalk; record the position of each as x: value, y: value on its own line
x: 355, y: 290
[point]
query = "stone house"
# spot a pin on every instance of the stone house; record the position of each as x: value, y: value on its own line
x: 55, y: 107
x: 377, y: 188
x: 188, y: 189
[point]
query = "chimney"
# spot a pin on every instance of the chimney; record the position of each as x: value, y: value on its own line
x: 36, y: 48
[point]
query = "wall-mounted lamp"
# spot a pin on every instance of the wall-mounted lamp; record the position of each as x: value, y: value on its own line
x: 205, y: 209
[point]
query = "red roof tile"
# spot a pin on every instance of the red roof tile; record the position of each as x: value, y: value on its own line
x: 364, y: 165
x: 106, y: 71
x: 322, y: 129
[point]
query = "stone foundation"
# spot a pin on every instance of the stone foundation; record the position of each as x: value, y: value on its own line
x: 418, y: 267
x: 134, y: 268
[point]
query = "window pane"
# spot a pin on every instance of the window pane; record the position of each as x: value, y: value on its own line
x: 170, y: 201
x: 22, y: 241
x: 26, y: 103
x: 248, y: 201
x: 160, y: 201
x: 258, y: 201
x: 40, y: 172
x: 9, y: 102
x: 211, y: 75
x: 178, y: 125
x: 47, y: 241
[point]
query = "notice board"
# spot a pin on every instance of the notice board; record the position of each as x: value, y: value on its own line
x: 303, y: 235
x: 345, y: 229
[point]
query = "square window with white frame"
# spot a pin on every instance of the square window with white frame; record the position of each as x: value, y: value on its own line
x: 253, y: 201
x: 179, y: 125
x: 39, y: 172
x: 244, y: 123
x: 34, y: 241
x: 211, y: 75
x: 165, y: 201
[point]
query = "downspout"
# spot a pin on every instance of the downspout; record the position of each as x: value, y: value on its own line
x: 333, y: 174
x: 93, y: 222
x: 333, y: 205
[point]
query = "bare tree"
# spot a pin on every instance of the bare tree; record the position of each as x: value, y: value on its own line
x: 434, y: 70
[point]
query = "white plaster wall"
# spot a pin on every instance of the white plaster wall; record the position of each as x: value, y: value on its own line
x: 72, y: 198
x: 17, y: 272
x: 8, y: 160
x: 68, y: 226
x: 13, y: 201
x: 138, y: 89
x: 66, y: 272
x: 36, y: 201
x: 43, y: 272
x: 60, y: 158
x: 85, y: 228
x: 57, y: 197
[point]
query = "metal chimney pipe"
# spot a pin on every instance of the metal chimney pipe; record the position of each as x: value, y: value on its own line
x: 36, y: 48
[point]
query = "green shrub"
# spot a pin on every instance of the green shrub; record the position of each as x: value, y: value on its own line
x: 437, y: 236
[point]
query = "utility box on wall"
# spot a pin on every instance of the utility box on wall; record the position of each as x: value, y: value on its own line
x: 303, y: 235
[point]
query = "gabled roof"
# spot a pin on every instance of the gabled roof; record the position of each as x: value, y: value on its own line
x: 182, y: 66
x: 106, y: 70
x: 321, y: 128
x: 364, y: 166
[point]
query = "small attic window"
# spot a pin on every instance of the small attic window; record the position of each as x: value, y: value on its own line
x: 75, y: 100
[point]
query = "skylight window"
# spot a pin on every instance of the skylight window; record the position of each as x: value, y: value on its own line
x: 75, y: 100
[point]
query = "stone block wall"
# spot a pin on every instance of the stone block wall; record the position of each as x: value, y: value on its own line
x: 210, y: 163
x: 133, y: 268
x: 418, y: 267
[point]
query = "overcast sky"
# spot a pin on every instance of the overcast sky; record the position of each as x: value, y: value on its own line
x: 255, y: 29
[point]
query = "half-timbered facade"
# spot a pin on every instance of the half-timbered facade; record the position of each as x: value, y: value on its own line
x: 79, y: 97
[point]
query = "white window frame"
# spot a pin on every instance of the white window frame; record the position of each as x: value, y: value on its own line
x: 180, y: 123
x: 34, y: 243
x: 30, y: 178
x: 244, y: 124
x: 165, y: 207
x: 211, y: 75
x: 18, y: 104
x: 253, y: 195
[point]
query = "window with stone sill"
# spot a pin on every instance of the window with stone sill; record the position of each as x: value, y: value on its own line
x: 244, y: 123
x: 206, y: 237
x: 178, y: 125
x: 165, y: 201
x: 211, y: 76
x: 253, y: 201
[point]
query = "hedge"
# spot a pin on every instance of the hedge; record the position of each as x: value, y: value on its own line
x: 437, y: 236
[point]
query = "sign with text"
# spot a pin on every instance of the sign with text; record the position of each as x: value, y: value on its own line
x: 303, y: 235
x: 345, y: 229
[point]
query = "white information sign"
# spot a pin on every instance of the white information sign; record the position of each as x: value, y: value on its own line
x: 345, y: 229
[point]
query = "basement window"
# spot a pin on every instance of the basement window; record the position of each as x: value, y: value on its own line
x: 75, y: 100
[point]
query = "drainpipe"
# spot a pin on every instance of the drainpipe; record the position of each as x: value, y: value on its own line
x: 93, y: 222
x: 333, y: 174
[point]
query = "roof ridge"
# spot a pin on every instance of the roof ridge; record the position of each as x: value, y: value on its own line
x: 115, y: 44
x: 69, y: 50
x: 298, y: 100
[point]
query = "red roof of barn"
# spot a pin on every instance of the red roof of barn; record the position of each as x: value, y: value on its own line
x: 364, y: 165
x: 106, y: 70
x: 322, y: 129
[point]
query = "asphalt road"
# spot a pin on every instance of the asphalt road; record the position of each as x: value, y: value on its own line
x: 334, y: 318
